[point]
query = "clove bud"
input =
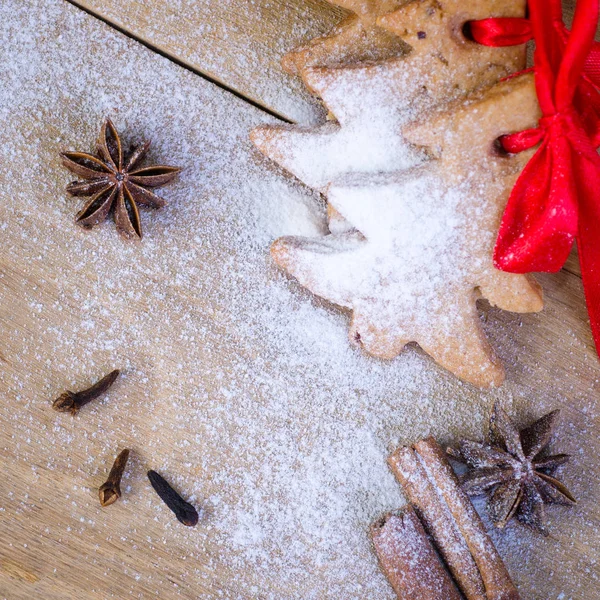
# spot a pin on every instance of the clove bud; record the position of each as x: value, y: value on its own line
x: 72, y: 401
x: 183, y: 510
x: 110, y: 491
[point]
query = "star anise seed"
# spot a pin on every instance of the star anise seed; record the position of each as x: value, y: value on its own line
x: 115, y: 182
x: 513, y: 472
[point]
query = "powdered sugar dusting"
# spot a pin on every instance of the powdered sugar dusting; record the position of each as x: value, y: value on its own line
x: 219, y: 38
x: 372, y: 102
x: 237, y: 386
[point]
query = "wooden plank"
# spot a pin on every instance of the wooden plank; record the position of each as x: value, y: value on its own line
x: 238, y: 47
x: 237, y: 384
x: 572, y: 265
x: 236, y: 43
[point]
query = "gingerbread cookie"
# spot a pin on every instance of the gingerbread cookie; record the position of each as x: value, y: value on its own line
x: 373, y: 102
x: 421, y: 253
x: 358, y: 38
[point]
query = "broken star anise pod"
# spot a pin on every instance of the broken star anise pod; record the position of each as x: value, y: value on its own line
x: 513, y: 470
x: 115, y: 181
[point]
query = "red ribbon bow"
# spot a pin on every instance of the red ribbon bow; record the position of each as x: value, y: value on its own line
x: 557, y: 197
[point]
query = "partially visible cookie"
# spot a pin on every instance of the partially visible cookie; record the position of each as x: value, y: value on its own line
x: 358, y: 38
x: 421, y: 253
x: 372, y: 102
x: 439, y: 30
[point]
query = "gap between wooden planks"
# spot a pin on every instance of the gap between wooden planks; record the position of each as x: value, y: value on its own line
x: 230, y: 42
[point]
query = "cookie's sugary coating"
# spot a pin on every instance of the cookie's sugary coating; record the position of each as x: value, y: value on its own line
x: 421, y: 253
x: 372, y: 102
x: 415, y: 187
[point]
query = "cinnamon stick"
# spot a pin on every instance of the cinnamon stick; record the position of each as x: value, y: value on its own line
x: 497, y: 581
x: 409, y: 560
x: 439, y: 522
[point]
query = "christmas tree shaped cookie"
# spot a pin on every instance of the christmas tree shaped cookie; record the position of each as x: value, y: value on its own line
x: 421, y: 252
x: 372, y: 102
x: 358, y: 38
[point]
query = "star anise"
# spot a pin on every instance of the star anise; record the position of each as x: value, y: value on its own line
x: 115, y: 181
x: 513, y: 470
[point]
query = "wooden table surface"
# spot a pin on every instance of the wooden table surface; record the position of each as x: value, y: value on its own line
x: 203, y: 375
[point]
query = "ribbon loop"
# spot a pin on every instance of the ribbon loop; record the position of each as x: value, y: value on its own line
x: 514, y: 143
x: 501, y: 31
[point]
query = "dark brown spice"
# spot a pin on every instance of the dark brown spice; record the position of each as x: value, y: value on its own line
x: 110, y: 491
x: 73, y: 401
x: 514, y: 470
x: 183, y: 510
x: 115, y: 182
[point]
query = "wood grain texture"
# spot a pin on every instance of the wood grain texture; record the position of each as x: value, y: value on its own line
x: 208, y: 396
x: 235, y: 42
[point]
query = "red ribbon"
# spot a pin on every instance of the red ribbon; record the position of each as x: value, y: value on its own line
x: 501, y: 31
x: 513, y: 31
x: 557, y: 197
